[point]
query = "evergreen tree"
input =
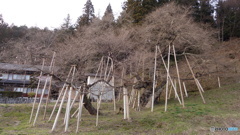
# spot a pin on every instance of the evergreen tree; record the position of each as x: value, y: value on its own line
x: 139, y: 8
x: 88, y: 14
x: 67, y: 23
x: 108, y: 14
x: 203, y: 12
x: 228, y: 19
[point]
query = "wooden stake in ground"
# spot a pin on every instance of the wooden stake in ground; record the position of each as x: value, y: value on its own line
x: 39, y: 81
x: 185, y: 89
x: 114, y: 100
x: 59, y: 96
x: 60, y: 109
x: 179, y: 81
x: 98, y: 106
x: 154, y: 79
x: 195, y: 79
x: 68, y: 109
x: 80, y: 109
x: 40, y: 102
x: 219, y: 83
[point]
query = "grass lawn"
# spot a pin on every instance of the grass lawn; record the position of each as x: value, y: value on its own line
x: 221, y: 110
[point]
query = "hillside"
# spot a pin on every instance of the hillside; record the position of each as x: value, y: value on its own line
x: 221, y: 110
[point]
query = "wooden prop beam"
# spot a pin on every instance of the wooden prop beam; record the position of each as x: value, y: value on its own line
x: 179, y: 81
x: 195, y: 79
x: 36, y: 92
x: 154, y: 79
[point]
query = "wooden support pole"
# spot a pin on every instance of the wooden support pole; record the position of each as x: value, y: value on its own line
x: 98, y: 107
x: 154, y: 79
x: 80, y: 110
x: 138, y: 99
x: 185, y: 89
x: 51, y: 69
x: 39, y: 81
x: 124, y: 104
x: 49, y: 92
x: 195, y: 79
x: 60, y: 109
x: 170, y: 90
x: 114, y: 100
x: 68, y: 109
x: 40, y: 102
x: 59, y: 96
x: 170, y: 79
x: 168, y: 67
x: 127, y: 104
x: 199, y: 85
x: 179, y: 81
x: 119, y: 93
x: 219, y: 83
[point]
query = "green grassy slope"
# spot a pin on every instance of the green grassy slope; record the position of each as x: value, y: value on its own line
x: 221, y: 110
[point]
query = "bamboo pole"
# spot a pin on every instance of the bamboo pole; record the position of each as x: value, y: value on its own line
x: 39, y: 81
x: 219, y: 83
x: 166, y: 97
x: 68, y: 109
x: 60, y: 108
x: 195, y: 79
x: 154, y: 79
x: 40, y: 102
x: 179, y: 81
x: 185, y: 89
x: 59, y: 96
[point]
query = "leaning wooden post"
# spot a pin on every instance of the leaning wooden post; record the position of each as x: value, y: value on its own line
x: 39, y: 81
x: 60, y: 108
x: 40, y: 102
x: 185, y: 89
x: 68, y: 109
x: 195, y: 79
x: 219, y: 83
x: 59, y: 96
x: 50, y: 84
x: 154, y: 79
x: 166, y: 98
x: 80, y: 109
x: 199, y: 85
x: 170, y: 79
x: 49, y: 90
x: 179, y: 81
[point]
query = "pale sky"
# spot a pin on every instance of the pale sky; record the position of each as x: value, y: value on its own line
x: 50, y: 13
